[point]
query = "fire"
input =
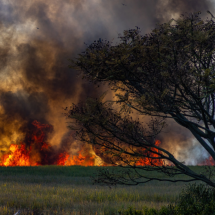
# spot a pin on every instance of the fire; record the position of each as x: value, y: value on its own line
x: 36, y: 151
x: 208, y: 162
x: 17, y: 157
x: 20, y: 156
x: 65, y: 159
x: 150, y: 161
x: 124, y: 159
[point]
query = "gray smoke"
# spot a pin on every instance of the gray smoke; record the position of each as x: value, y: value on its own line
x: 37, y: 37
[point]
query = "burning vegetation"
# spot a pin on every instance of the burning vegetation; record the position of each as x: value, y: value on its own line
x: 35, y: 151
x: 36, y: 81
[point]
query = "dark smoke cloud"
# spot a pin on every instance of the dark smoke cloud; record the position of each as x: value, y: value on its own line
x: 37, y: 37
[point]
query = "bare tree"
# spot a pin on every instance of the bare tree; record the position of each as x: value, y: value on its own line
x: 168, y: 73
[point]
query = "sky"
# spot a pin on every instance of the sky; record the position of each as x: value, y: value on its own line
x: 37, y: 39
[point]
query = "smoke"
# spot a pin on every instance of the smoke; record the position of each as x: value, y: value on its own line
x: 37, y: 37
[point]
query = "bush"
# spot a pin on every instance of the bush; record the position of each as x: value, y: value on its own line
x: 194, y: 199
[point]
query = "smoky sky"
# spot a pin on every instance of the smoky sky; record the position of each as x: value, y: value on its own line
x: 37, y: 39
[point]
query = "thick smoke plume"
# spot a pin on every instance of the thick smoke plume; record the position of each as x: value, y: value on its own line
x: 37, y: 37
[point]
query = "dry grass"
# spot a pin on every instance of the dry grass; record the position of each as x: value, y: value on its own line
x: 69, y: 190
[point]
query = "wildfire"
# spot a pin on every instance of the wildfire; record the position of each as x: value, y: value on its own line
x: 66, y: 160
x: 148, y: 158
x: 36, y: 151
x: 17, y: 157
x: 208, y: 162
x: 151, y: 161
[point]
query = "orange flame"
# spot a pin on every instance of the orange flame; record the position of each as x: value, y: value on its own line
x: 17, y: 157
x: 21, y: 155
x: 66, y: 160
x: 63, y: 157
x: 208, y: 162
x: 147, y: 159
x: 151, y: 161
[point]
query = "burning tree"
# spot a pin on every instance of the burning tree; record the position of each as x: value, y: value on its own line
x: 168, y: 73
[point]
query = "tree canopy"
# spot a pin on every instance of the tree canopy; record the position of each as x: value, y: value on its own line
x: 168, y: 73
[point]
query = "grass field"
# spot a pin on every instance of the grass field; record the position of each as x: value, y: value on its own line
x: 69, y: 190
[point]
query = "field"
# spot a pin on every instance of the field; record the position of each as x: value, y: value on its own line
x: 69, y: 190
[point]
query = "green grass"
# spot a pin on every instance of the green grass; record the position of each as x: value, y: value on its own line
x: 69, y: 190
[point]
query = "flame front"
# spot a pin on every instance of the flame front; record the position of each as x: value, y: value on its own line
x: 155, y: 161
x: 39, y: 152
x: 19, y: 156
x: 66, y: 160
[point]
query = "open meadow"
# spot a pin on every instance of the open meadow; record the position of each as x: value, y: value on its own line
x: 69, y: 190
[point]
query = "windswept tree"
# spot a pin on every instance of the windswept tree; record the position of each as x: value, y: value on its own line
x: 168, y: 73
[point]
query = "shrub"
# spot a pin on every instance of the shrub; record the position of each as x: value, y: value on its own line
x: 194, y: 199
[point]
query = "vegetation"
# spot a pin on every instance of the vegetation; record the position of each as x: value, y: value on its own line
x: 69, y: 190
x: 168, y: 73
x: 195, y: 199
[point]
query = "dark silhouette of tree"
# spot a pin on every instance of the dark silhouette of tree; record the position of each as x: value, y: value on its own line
x: 168, y: 73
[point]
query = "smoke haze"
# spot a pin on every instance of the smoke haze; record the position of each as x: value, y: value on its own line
x: 37, y: 37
